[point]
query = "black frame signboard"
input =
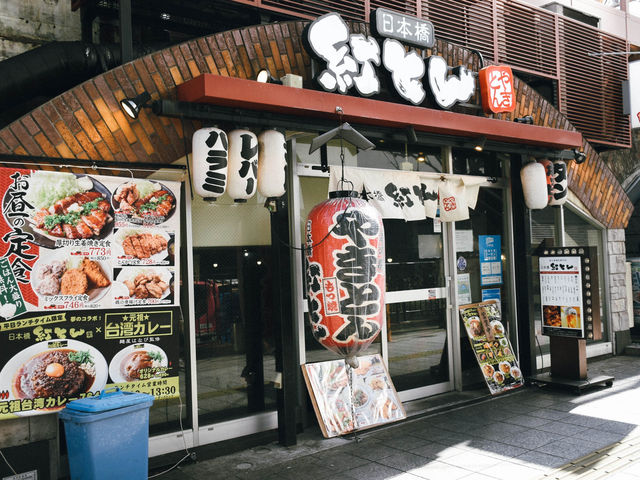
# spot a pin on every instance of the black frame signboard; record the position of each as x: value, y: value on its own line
x: 569, y: 294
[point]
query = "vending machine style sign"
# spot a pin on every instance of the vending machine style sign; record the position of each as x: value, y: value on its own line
x: 569, y: 292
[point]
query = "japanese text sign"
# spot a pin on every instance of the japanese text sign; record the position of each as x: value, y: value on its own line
x: 496, y: 87
x: 405, y: 28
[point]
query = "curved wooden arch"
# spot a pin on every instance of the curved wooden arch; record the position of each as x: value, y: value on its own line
x: 86, y: 122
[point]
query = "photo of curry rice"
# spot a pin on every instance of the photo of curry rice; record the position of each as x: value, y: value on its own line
x: 60, y: 372
x: 551, y: 316
x: 59, y: 277
x: 136, y: 363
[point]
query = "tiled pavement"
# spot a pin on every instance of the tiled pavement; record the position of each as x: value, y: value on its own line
x: 535, y: 433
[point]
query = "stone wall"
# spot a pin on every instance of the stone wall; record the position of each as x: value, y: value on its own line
x: 617, y: 289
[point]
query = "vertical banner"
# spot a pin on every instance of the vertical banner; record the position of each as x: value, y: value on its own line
x: 88, y: 286
x: 490, y: 259
x: 491, y: 346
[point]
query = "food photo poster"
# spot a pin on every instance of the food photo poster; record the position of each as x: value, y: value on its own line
x: 491, y: 346
x: 88, y: 285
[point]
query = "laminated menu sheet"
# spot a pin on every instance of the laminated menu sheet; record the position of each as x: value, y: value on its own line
x: 341, y: 409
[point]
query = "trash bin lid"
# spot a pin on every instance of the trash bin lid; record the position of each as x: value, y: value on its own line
x: 109, y: 399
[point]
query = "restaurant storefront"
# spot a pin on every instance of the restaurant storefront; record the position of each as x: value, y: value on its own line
x: 244, y: 329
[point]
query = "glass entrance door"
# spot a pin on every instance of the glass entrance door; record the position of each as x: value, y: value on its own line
x: 416, y: 308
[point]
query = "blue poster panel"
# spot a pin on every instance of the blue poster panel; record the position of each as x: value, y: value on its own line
x: 490, y: 259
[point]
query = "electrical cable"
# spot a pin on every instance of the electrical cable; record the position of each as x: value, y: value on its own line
x: 7, y: 462
x: 184, y: 441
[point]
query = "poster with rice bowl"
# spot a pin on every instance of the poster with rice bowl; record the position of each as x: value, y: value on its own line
x: 68, y: 238
x: 491, y: 345
x: 341, y: 409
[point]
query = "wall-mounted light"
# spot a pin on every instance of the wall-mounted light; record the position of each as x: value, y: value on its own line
x: 579, y: 156
x: 527, y: 119
x: 264, y: 76
x: 479, y: 146
x: 132, y: 106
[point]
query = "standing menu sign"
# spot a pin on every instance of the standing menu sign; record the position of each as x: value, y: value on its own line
x: 373, y: 400
x: 491, y: 346
x: 87, y: 285
x: 569, y: 292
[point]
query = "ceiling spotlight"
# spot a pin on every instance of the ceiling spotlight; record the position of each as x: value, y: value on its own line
x: 215, y: 265
x: 132, y: 106
x: 264, y: 76
x: 527, y: 119
x: 421, y: 158
x: 479, y: 146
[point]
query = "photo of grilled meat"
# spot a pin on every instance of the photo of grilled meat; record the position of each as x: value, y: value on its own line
x: 144, y: 198
x: 146, y: 285
x: 83, y: 215
x: 144, y: 245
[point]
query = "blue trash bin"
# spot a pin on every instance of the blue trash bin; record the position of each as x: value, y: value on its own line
x: 108, y: 436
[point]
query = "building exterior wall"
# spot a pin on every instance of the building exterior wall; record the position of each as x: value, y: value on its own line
x: 31, y: 23
x: 617, y: 288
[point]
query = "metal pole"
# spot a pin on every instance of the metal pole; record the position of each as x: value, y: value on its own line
x: 126, y: 35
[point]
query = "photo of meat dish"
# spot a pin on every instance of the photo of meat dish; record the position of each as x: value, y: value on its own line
x: 140, y: 361
x: 143, y: 198
x: 551, y: 316
x: 146, y: 285
x: 82, y: 215
x: 71, y: 277
x: 144, y: 245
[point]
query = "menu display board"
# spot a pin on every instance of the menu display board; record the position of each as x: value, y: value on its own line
x: 491, y: 346
x: 87, y: 284
x: 77, y: 241
x: 373, y: 400
x: 50, y: 359
x: 569, y: 294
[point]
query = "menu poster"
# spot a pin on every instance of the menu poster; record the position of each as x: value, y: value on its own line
x: 569, y: 293
x: 77, y: 241
x: 340, y: 410
x: 491, y: 346
x: 52, y: 358
x: 490, y: 259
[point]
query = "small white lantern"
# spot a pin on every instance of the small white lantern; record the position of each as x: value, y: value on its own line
x: 534, y: 185
x: 560, y: 190
x: 548, y: 171
x: 243, y: 164
x: 272, y: 160
x: 209, y: 162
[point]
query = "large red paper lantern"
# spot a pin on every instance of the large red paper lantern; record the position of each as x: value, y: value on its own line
x: 345, y: 273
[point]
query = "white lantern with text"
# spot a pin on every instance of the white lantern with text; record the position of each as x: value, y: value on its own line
x: 272, y: 160
x: 243, y: 165
x: 534, y: 185
x: 209, y: 162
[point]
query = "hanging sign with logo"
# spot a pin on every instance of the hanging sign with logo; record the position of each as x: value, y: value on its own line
x: 351, y: 61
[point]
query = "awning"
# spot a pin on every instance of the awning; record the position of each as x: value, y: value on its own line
x: 269, y: 97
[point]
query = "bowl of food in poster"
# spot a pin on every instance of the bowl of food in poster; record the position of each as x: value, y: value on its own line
x: 515, y: 372
x: 66, y: 206
x: 144, y: 283
x: 135, y: 362
x: 68, y: 272
x: 497, y: 327
x: 505, y: 367
x: 147, y: 245
x: 51, y: 369
x: 361, y: 396
x: 475, y: 327
x: 144, y: 201
x: 498, y: 377
x: 488, y: 370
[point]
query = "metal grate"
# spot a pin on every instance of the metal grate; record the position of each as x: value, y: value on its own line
x: 532, y: 40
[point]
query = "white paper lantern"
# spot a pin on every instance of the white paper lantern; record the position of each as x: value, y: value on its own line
x: 534, y: 185
x: 209, y: 162
x: 243, y: 165
x: 272, y: 159
x: 560, y: 189
x: 548, y: 171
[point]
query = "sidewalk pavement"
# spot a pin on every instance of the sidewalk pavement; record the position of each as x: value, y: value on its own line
x: 534, y: 433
